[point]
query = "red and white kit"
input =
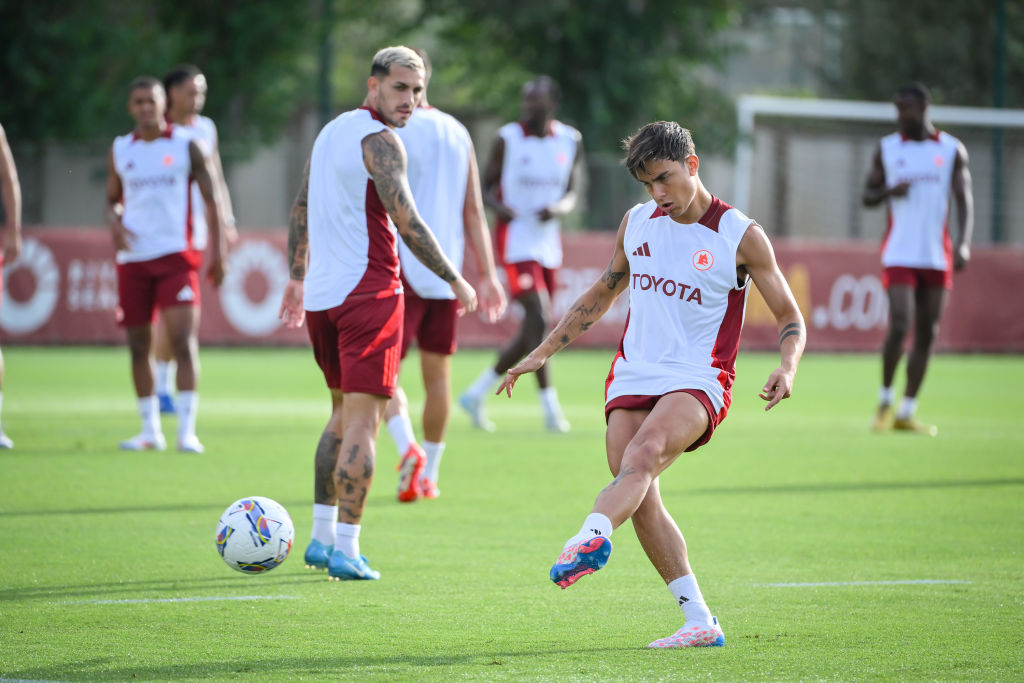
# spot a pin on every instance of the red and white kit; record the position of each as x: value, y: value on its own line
x: 535, y: 174
x: 353, y: 295
x: 204, y: 131
x: 685, y: 306
x: 155, y: 178
x: 918, y: 232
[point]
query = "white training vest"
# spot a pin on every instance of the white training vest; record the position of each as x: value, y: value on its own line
x: 438, y: 147
x: 155, y: 178
x: 204, y: 132
x: 918, y: 232
x: 685, y: 305
x: 352, y: 248
x: 535, y: 174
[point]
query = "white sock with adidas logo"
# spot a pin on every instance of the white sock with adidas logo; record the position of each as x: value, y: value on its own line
x: 688, y: 595
x: 595, y: 524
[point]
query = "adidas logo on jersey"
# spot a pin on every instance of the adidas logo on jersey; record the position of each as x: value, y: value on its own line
x: 186, y: 294
x: 642, y: 250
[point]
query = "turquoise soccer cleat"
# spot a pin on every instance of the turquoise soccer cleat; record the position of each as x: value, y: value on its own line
x: 340, y: 567
x: 317, y: 554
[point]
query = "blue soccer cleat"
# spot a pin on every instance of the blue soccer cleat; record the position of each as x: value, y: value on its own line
x: 340, y: 567
x: 166, y: 403
x: 579, y: 559
x: 317, y: 554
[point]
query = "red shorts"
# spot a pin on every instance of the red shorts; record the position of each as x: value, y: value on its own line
x: 358, y: 344
x: 916, y: 278
x: 529, y: 276
x: 647, y: 403
x: 144, y: 286
x: 431, y: 322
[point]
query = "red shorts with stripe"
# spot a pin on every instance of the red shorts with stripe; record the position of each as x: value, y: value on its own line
x: 648, y: 402
x: 431, y: 322
x: 358, y: 343
x: 145, y: 286
x: 529, y: 276
x: 916, y: 278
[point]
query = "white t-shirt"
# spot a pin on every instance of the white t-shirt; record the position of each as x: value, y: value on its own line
x: 535, y: 173
x: 155, y: 178
x: 352, y: 249
x: 918, y: 232
x: 685, y: 305
x: 438, y: 147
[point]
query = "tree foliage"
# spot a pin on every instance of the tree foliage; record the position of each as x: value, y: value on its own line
x: 620, y: 63
x: 67, y: 66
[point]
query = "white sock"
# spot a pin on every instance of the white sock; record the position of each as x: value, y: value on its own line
x: 163, y: 376
x: 149, y: 411
x: 483, y: 384
x: 687, y: 594
x: 434, y: 452
x: 346, y: 539
x: 549, y: 399
x: 324, y: 517
x: 908, y: 406
x: 400, y: 428
x: 186, y: 406
x: 885, y: 396
x: 595, y: 524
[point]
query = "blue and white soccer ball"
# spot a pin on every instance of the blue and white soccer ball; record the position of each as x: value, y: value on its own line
x: 254, y: 534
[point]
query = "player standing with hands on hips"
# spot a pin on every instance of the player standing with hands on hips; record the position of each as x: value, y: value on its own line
x: 914, y: 170
x: 352, y: 296
x: 687, y: 259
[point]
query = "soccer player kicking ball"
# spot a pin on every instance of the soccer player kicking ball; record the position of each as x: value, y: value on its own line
x: 687, y: 258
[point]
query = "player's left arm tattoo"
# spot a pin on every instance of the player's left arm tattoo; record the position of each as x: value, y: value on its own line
x: 298, y: 231
x: 385, y: 159
x: 790, y: 330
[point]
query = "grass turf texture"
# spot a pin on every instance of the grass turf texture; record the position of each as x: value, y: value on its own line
x: 802, y: 494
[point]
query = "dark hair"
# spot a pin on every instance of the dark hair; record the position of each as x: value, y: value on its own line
x: 665, y: 140
x: 915, y: 89
x: 144, y: 82
x: 547, y: 83
x: 177, y: 76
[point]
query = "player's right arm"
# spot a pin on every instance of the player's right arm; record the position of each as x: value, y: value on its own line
x: 875, y: 188
x: 385, y: 160
x: 587, y: 310
x: 964, y: 195
x: 115, y: 207
x: 492, y: 181
x: 10, y: 194
x: 292, y: 311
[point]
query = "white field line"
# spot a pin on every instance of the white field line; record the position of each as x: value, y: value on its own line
x: 144, y: 601
x: 907, y: 582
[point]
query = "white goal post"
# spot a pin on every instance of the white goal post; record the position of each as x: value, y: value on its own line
x: 750, y: 107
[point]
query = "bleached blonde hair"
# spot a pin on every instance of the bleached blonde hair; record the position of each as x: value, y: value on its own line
x: 398, y: 55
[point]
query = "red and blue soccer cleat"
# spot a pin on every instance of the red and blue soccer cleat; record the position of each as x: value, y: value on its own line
x: 579, y: 559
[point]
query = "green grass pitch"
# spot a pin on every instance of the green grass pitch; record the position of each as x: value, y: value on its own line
x: 108, y: 569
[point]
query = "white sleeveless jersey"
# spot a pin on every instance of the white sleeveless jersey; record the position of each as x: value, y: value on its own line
x: 352, y: 248
x: 685, y: 305
x: 535, y: 174
x: 918, y: 232
x: 438, y: 147
x: 204, y: 132
x: 155, y: 177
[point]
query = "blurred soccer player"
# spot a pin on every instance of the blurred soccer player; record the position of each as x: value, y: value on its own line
x: 445, y: 183
x: 687, y: 259
x: 148, y: 186
x: 186, y: 89
x: 352, y: 296
x: 10, y: 198
x: 530, y: 182
x: 914, y: 170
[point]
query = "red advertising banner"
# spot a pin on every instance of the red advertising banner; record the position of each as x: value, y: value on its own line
x: 63, y: 290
